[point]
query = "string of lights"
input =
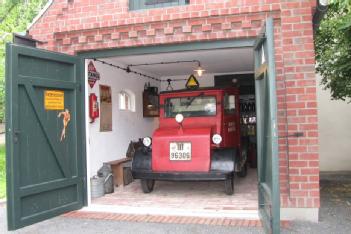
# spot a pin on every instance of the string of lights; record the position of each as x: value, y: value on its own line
x: 199, y: 70
x: 128, y: 70
x: 165, y: 63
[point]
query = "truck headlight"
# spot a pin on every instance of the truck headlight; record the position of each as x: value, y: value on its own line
x: 217, y: 139
x: 179, y: 118
x: 147, y: 141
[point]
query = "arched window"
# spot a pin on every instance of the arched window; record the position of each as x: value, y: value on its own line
x: 127, y: 100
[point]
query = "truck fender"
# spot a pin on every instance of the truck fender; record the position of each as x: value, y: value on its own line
x: 223, y: 160
x: 142, y: 160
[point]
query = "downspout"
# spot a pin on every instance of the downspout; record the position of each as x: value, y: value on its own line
x: 321, y: 10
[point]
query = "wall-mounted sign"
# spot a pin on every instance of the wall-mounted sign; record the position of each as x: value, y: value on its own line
x: 105, y: 108
x: 93, y: 75
x: 192, y: 82
x: 54, y: 99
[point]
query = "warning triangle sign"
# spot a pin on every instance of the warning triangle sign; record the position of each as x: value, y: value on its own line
x: 192, y: 82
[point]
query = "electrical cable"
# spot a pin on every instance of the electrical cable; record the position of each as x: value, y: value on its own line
x: 165, y: 63
x: 128, y: 70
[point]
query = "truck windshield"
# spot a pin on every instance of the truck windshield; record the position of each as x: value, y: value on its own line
x: 190, y: 106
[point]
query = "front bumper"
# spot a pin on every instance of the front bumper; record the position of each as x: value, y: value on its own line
x: 222, y: 168
x: 183, y: 176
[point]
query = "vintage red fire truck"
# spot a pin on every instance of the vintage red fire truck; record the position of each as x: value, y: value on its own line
x: 198, y: 139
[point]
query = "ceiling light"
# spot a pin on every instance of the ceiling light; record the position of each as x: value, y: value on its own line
x: 199, y: 70
x: 324, y: 2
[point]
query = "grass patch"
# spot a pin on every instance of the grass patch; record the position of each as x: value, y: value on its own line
x: 2, y: 172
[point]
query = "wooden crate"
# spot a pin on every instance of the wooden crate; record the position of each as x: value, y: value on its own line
x: 118, y: 171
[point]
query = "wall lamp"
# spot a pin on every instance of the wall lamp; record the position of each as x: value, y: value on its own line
x: 199, y: 70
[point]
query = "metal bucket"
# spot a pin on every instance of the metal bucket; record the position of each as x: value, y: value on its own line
x: 106, y: 172
x: 97, y: 186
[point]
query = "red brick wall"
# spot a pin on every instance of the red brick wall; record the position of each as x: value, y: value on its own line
x: 82, y: 25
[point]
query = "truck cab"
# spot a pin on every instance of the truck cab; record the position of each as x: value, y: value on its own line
x: 198, y: 139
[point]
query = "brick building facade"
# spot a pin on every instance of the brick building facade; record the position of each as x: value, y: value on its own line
x: 75, y: 26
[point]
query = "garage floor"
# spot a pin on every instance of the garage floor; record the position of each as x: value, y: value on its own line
x: 185, y: 198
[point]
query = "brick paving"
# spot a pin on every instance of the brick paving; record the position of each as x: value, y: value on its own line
x: 169, y: 219
x: 206, y: 196
x: 184, y: 196
x: 164, y: 219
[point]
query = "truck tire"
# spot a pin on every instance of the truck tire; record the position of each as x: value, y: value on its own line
x: 243, y: 171
x: 147, y: 185
x: 229, y: 186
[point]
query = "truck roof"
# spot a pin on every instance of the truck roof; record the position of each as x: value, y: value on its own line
x: 198, y: 89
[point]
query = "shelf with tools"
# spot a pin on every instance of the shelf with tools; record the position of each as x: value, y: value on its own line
x: 248, y: 115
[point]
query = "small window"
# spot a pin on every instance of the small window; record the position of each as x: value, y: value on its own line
x: 147, y: 4
x: 229, y: 104
x: 126, y: 101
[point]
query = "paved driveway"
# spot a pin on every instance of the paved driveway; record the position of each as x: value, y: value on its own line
x: 2, y: 138
x: 2, y: 133
x: 61, y: 225
x: 335, y: 217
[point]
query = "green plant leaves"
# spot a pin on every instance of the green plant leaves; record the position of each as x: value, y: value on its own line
x: 333, y: 50
x: 15, y: 16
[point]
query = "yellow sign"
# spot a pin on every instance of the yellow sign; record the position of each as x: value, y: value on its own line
x: 192, y: 82
x: 54, y: 100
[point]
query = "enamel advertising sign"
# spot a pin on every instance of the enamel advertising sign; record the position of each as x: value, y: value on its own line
x: 93, y: 75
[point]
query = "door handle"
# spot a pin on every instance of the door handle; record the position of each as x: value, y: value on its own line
x: 16, y: 134
x: 295, y: 134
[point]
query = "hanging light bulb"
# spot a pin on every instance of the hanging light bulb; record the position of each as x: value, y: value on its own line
x: 199, y: 70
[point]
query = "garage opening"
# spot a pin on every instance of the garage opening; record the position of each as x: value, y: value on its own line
x: 123, y: 93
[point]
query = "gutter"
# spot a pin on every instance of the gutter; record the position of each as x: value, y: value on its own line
x: 321, y: 10
x: 40, y: 14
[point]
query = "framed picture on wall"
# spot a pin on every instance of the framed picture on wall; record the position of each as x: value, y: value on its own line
x: 105, y: 108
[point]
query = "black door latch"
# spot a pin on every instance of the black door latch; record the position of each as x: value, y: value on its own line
x: 295, y: 134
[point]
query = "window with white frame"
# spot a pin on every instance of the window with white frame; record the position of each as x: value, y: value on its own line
x: 147, y: 4
x: 126, y: 101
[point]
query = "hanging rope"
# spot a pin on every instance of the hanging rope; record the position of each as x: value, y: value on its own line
x: 128, y: 70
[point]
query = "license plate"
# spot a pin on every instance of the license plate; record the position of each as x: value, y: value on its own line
x: 180, y: 151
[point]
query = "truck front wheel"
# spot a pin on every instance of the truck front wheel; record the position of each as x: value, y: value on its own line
x: 229, y: 185
x: 243, y: 171
x: 147, y: 185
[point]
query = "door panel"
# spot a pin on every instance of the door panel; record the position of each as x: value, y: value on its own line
x: 231, y: 119
x: 45, y: 175
x: 267, y: 136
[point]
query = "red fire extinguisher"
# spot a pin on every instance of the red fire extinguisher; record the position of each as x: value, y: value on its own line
x: 93, y: 107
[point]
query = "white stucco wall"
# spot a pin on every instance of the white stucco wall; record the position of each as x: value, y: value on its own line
x: 126, y: 125
x: 334, y: 132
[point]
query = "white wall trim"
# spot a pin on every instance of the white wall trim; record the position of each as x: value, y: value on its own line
x: 305, y: 214
x: 242, y: 214
x: 87, y: 132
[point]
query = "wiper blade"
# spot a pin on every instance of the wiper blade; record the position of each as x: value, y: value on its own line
x: 192, y: 99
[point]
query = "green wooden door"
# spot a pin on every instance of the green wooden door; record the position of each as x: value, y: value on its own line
x: 45, y: 165
x: 267, y: 133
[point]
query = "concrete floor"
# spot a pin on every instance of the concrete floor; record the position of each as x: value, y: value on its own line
x: 335, y: 210
x: 2, y: 138
x: 2, y: 133
x: 186, y: 198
